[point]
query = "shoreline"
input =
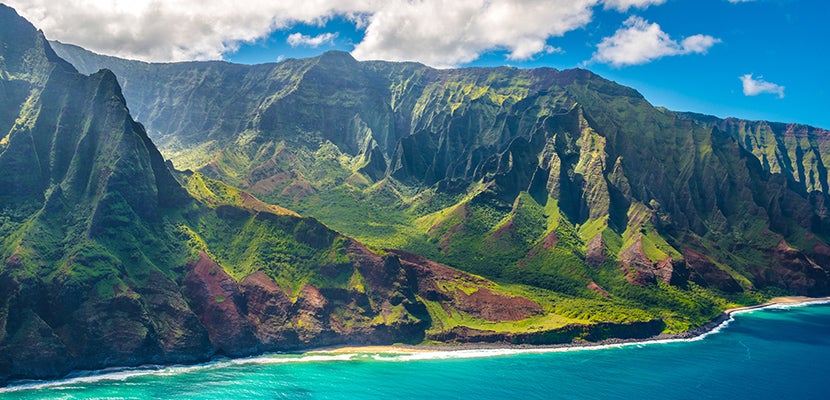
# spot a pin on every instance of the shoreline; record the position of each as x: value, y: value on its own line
x: 414, y: 352
x: 692, y: 334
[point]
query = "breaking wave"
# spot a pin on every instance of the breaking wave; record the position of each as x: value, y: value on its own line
x: 400, y: 355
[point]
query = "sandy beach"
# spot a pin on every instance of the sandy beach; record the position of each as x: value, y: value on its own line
x: 780, y: 300
x: 431, y: 351
x: 690, y: 334
x: 388, y: 349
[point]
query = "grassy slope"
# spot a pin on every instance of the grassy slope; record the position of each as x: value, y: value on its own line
x: 608, y: 144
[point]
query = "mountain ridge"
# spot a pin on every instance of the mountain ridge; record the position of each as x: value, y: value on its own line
x: 112, y: 260
x: 644, y: 187
x: 578, y: 210
x: 813, y: 177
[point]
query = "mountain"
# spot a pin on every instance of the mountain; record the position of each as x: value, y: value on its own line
x: 556, y: 179
x: 112, y: 259
x: 577, y: 210
x: 797, y: 151
x: 148, y: 86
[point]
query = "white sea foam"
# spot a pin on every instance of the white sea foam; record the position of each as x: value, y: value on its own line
x: 123, y: 374
x: 69, y: 383
x: 292, y: 359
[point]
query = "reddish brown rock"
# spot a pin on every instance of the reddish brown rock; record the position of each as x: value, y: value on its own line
x: 597, y: 288
x: 179, y: 333
x: 487, y: 305
x: 213, y: 297
x: 508, y: 229
x: 706, y: 273
x: 792, y: 269
x: 596, y: 254
x: 268, y: 310
x: 640, y: 270
x: 548, y: 242
x: 481, y: 303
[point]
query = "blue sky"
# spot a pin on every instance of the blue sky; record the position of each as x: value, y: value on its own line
x: 756, y: 59
x: 785, y: 42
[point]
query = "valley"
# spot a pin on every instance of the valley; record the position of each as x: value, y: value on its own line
x: 178, y: 212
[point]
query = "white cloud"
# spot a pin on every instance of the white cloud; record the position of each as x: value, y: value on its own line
x: 451, y: 32
x: 624, y: 5
x: 740, y: 1
x: 298, y: 39
x: 754, y: 87
x: 435, y: 32
x: 640, y: 42
x: 175, y: 30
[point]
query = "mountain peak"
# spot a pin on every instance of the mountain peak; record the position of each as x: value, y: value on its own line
x: 337, y: 56
x: 25, y: 49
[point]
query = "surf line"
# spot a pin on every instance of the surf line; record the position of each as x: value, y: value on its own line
x: 396, y: 353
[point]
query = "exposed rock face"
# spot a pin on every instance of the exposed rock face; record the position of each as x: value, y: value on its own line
x: 596, y: 148
x: 597, y: 288
x: 268, y: 309
x: 481, y: 302
x: 256, y: 315
x: 559, y: 179
x: 597, y: 252
x: 641, y: 270
x: 705, y: 272
x: 214, y: 297
x: 489, y: 306
x: 790, y: 268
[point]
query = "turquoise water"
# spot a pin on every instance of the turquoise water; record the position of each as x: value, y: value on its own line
x: 774, y: 353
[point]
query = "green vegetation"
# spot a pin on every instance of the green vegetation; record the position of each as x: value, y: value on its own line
x: 444, y: 320
x: 560, y: 190
x: 514, y: 235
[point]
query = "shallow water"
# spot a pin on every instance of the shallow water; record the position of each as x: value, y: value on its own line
x: 773, y: 353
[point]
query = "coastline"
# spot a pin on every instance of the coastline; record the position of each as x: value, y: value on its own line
x: 402, y: 352
x: 692, y: 334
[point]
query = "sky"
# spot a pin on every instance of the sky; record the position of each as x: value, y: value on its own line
x: 753, y: 59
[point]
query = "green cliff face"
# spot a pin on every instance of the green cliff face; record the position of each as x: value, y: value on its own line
x: 799, y: 152
x: 85, y: 259
x: 107, y: 258
x: 557, y: 179
x: 582, y: 210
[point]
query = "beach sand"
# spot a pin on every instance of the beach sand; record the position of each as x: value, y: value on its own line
x: 778, y: 301
x: 463, y: 350
x: 387, y: 349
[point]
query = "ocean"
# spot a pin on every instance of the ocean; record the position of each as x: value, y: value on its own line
x: 781, y: 352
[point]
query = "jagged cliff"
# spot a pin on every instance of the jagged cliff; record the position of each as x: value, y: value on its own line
x: 531, y: 176
x: 109, y: 258
x: 597, y: 214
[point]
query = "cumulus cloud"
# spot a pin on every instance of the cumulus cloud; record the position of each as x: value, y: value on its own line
x: 175, y: 30
x: 640, y: 42
x: 740, y: 1
x: 451, y: 32
x: 754, y: 87
x: 435, y: 32
x: 624, y: 5
x: 298, y: 39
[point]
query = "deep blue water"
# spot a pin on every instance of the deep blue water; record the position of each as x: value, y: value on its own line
x: 774, y: 353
